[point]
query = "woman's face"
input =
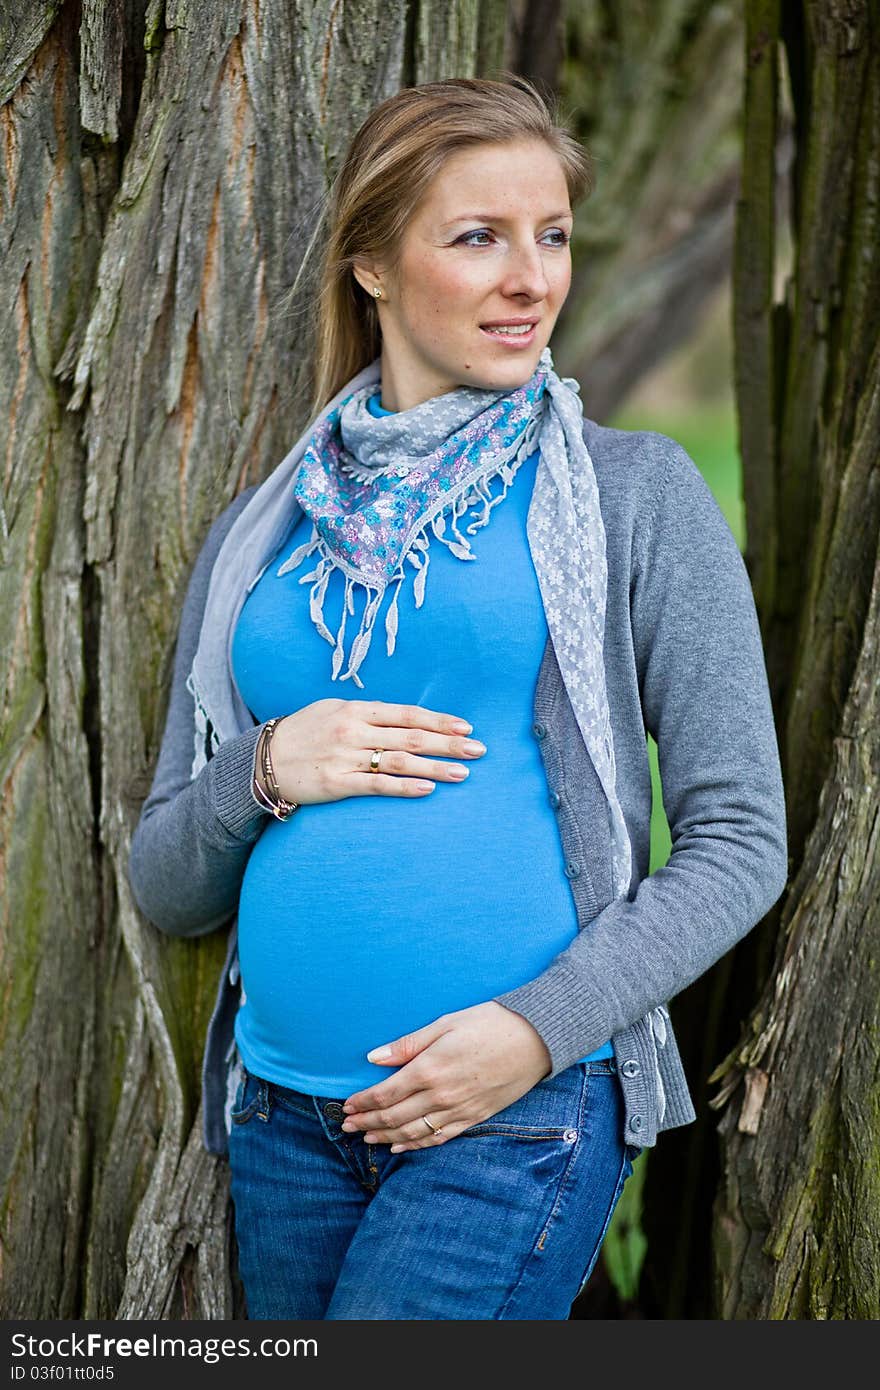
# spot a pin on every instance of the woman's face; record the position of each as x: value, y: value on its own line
x: 487, y: 246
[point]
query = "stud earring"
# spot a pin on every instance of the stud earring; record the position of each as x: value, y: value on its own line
x: 377, y: 292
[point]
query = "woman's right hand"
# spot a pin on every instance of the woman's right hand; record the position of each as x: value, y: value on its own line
x: 322, y: 752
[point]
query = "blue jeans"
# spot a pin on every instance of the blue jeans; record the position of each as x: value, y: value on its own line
x: 505, y: 1220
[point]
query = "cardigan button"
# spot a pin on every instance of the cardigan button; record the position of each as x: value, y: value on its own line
x: 630, y: 1068
x: 539, y: 731
x: 555, y: 800
x: 572, y: 870
x: 635, y: 1122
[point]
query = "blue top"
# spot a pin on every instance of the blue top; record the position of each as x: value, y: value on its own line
x: 405, y: 908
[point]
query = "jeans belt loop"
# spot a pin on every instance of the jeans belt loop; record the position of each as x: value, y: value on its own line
x: 263, y: 1102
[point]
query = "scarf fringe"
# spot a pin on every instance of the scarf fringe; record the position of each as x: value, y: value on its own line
x: 418, y: 555
x: 300, y: 553
x: 347, y: 608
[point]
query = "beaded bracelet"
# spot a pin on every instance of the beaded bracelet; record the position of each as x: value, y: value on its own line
x: 273, y: 801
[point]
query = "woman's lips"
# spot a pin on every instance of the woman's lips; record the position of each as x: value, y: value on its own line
x: 511, y: 339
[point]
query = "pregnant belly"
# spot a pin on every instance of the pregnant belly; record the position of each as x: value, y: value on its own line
x: 363, y: 919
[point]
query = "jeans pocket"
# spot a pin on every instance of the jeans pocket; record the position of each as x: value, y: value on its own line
x: 247, y: 1098
x: 551, y: 1109
x: 517, y: 1130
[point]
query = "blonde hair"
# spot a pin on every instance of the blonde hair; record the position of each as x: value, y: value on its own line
x: 392, y: 160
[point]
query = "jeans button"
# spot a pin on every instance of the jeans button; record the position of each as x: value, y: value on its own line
x: 570, y: 1136
x: 334, y: 1111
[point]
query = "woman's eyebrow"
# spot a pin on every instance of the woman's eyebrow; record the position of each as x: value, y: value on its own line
x: 496, y: 217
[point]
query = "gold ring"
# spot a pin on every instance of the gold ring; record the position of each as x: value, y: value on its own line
x: 374, y: 761
x: 430, y: 1126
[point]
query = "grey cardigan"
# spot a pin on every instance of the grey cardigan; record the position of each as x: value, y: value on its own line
x: 684, y: 661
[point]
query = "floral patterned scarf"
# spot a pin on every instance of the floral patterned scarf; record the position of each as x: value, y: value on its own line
x: 375, y: 487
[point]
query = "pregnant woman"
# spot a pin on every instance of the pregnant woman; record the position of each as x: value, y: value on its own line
x: 418, y: 664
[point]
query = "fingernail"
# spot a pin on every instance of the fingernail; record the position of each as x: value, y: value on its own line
x: 460, y: 773
x: 378, y: 1052
x: 425, y: 786
x: 461, y: 726
x: 473, y: 745
x: 348, y: 1124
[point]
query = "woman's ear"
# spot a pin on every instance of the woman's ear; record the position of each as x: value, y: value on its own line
x: 369, y: 275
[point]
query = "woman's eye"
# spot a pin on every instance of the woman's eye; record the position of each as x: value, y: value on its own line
x: 559, y: 238
x: 480, y: 231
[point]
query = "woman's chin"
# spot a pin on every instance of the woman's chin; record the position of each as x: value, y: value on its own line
x: 501, y: 376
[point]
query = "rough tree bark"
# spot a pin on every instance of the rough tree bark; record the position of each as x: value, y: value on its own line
x: 797, y: 1229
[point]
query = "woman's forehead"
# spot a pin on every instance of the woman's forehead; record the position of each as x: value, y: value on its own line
x: 491, y: 180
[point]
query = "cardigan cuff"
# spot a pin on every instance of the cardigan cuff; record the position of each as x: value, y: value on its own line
x: 570, y: 1023
x: 232, y: 768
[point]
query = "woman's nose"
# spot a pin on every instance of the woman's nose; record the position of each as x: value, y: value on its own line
x: 525, y: 273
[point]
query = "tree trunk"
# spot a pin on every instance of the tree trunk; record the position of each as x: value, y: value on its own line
x: 797, y: 1233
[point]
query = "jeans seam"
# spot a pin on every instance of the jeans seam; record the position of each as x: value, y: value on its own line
x: 560, y: 1188
x: 346, y: 1149
x: 373, y: 1166
x: 612, y: 1207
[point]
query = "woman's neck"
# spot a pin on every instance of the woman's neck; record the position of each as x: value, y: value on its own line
x: 403, y: 389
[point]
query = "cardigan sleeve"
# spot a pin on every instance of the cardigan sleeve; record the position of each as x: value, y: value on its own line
x: 193, y: 839
x: 705, y: 698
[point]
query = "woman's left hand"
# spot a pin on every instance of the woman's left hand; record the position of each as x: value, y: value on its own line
x: 459, y: 1070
